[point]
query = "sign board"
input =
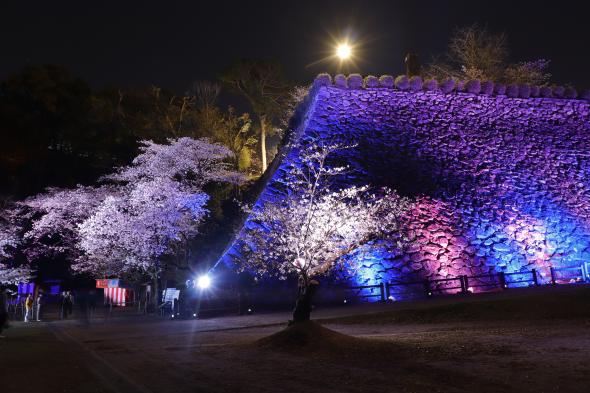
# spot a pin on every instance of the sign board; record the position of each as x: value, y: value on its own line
x: 107, y: 283
x: 170, y: 294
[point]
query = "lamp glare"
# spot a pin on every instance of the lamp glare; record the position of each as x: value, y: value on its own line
x: 203, y: 282
x: 343, y: 51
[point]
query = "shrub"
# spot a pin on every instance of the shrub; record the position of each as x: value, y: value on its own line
x: 461, y: 85
x: 546, y: 92
x: 323, y: 79
x: 371, y: 81
x: 535, y: 91
x: 512, y: 91
x: 448, y: 86
x: 585, y: 95
x: 524, y: 91
x: 416, y: 83
x: 558, y: 91
x: 402, y: 82
x: 431, y: 85
x: 500, y: 89
x: 386, y: 81
x: 570, y: 93
x: 355, y: 81
x: 340, y: 80
x: 473, y: 86
x: 487, y: 88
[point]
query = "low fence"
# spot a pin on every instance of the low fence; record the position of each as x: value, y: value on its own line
x: 465, y: 284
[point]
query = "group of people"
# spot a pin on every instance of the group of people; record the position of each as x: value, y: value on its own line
x: 33, y: 307
x: 66, y: 304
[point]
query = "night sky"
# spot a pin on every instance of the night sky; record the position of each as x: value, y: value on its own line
x: 170, y: 43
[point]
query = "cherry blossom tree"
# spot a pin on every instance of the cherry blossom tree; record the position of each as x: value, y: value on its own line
x: 9, y: 272
x: 132, y: 232
x: 193, y: 162
x: 55, y: 216
x: 308, y: 231
x: 138, y: 215
x: 159, y: 210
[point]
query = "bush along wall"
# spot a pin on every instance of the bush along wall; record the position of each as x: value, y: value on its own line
x: 416, y: 84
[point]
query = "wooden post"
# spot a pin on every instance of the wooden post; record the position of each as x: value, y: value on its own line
x: 552, y: 271
x: 502, y: 280
x: 427, y: 289
x: 387, y: 291
x: 464, y: 283
x: 535, y: 281
x: 382, y: 290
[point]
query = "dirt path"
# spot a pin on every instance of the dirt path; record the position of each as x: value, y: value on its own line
x: 459, y: 352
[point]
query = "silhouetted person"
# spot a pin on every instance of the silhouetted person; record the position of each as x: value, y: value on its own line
x: 28, y: 307
x: 91, y: 303
x: 67, y: 304
x: 38, y: 303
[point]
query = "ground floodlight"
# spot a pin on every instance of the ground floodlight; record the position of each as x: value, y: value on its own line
x: 204, y: 281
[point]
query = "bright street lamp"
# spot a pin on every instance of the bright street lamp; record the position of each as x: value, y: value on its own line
x: 343, y: 51
x: 204, y: 281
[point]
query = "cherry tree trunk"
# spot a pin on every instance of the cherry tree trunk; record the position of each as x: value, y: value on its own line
x: 303, y: 304
x: 155, y: 294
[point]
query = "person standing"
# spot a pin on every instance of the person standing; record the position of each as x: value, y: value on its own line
x: 38, y: 306
x: 62, y: 305
x: 28, y: 307
x: 67, y: 304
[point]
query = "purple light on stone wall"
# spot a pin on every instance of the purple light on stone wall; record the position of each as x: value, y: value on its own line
x: 502, y: 184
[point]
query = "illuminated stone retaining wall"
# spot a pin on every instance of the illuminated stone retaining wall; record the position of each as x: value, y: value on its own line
x: 500, y: 184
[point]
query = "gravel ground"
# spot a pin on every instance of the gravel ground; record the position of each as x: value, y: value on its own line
x: 436, y: 347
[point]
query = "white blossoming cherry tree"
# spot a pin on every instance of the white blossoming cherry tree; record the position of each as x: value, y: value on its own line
x: 161, y: 207
x: 307, y: 232
x: 10, y: 273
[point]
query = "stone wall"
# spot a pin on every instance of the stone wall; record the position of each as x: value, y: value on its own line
x: 499, y: 183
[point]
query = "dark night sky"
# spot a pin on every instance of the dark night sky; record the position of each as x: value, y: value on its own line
x: 170, y: 43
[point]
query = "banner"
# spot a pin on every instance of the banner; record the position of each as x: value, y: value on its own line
x: 107, y: 283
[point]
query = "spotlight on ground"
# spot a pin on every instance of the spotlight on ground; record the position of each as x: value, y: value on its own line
x: 204, y: 282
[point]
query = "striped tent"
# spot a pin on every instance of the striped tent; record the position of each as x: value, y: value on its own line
x: 116, y: 296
